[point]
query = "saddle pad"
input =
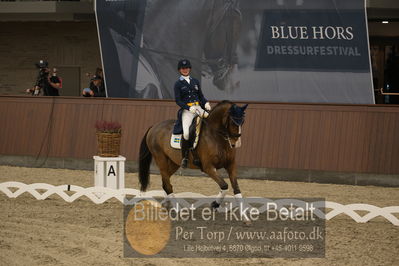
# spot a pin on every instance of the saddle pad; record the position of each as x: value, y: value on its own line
x: 176, y: 139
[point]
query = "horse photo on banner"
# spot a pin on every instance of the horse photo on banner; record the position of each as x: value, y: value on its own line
x: 260, y: 50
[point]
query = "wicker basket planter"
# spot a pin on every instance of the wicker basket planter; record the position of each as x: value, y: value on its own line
x: 108, y: 144
x: 108, y: 138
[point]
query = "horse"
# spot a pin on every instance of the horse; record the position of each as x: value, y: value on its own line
x: 220, y: 133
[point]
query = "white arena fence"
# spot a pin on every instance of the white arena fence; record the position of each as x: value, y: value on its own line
x: 129, y: 196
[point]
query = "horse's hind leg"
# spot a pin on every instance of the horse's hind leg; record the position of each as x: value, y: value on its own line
x: 167, y: 168
x: 166, y: 174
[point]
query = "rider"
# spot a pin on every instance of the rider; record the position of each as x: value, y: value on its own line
x: 189, y: 97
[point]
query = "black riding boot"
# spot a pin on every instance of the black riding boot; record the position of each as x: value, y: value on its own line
x: 184, y: 152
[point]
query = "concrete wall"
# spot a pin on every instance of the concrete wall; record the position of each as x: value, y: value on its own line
x: 60, y: 43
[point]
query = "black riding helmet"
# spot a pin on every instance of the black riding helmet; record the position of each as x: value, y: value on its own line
x: 184, y: 63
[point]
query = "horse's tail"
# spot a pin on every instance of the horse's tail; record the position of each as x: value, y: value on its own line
x: 145, y: 158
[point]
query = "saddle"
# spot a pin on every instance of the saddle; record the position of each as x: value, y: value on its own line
x: 195, y: 129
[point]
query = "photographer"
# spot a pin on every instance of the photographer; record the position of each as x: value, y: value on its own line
x: 48, y: 85
x: 96, y: 89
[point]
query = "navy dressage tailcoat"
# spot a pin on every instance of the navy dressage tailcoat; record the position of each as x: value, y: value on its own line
x: 186, y: 93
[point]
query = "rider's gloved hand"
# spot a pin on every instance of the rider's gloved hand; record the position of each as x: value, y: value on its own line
x: 193, y: 109
x: 208, y: 106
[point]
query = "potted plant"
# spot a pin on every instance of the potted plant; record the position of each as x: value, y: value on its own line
x: 108, y: 138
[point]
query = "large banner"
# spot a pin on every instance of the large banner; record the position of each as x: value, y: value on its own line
x: 258, y: 50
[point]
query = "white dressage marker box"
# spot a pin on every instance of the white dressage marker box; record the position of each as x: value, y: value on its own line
x: 109, y: 172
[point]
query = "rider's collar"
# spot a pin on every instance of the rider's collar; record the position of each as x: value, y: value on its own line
x: 184, y: 78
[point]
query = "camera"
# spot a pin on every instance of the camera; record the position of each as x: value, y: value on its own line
x: 43, y: 68
x: 42, y: 64
x: 42, y: 78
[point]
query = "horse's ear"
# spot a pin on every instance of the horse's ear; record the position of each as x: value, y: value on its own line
x: 244, y: 107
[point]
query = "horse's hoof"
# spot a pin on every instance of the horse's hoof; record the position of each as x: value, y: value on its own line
x: 167, y: 205
x: 215, y: 205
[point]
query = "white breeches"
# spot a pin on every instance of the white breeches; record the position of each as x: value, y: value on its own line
x: 187, y: 118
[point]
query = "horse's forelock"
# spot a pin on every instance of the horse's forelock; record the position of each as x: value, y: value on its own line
x: 237, y: 114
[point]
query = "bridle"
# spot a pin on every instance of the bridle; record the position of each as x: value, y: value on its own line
x: 226, y: 134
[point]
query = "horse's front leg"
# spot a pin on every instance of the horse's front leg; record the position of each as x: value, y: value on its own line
x: 212, y: 172
x: 232, y: 171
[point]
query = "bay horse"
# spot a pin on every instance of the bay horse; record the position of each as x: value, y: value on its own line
x: 220, y: 133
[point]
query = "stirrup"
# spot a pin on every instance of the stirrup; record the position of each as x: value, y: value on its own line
x: 184, y: 163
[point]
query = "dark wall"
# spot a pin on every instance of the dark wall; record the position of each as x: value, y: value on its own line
x: 60, y: 43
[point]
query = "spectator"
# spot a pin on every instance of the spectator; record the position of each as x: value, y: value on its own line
x: 55, y: 83
x: 96, y: 89
x: 99, y: 72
